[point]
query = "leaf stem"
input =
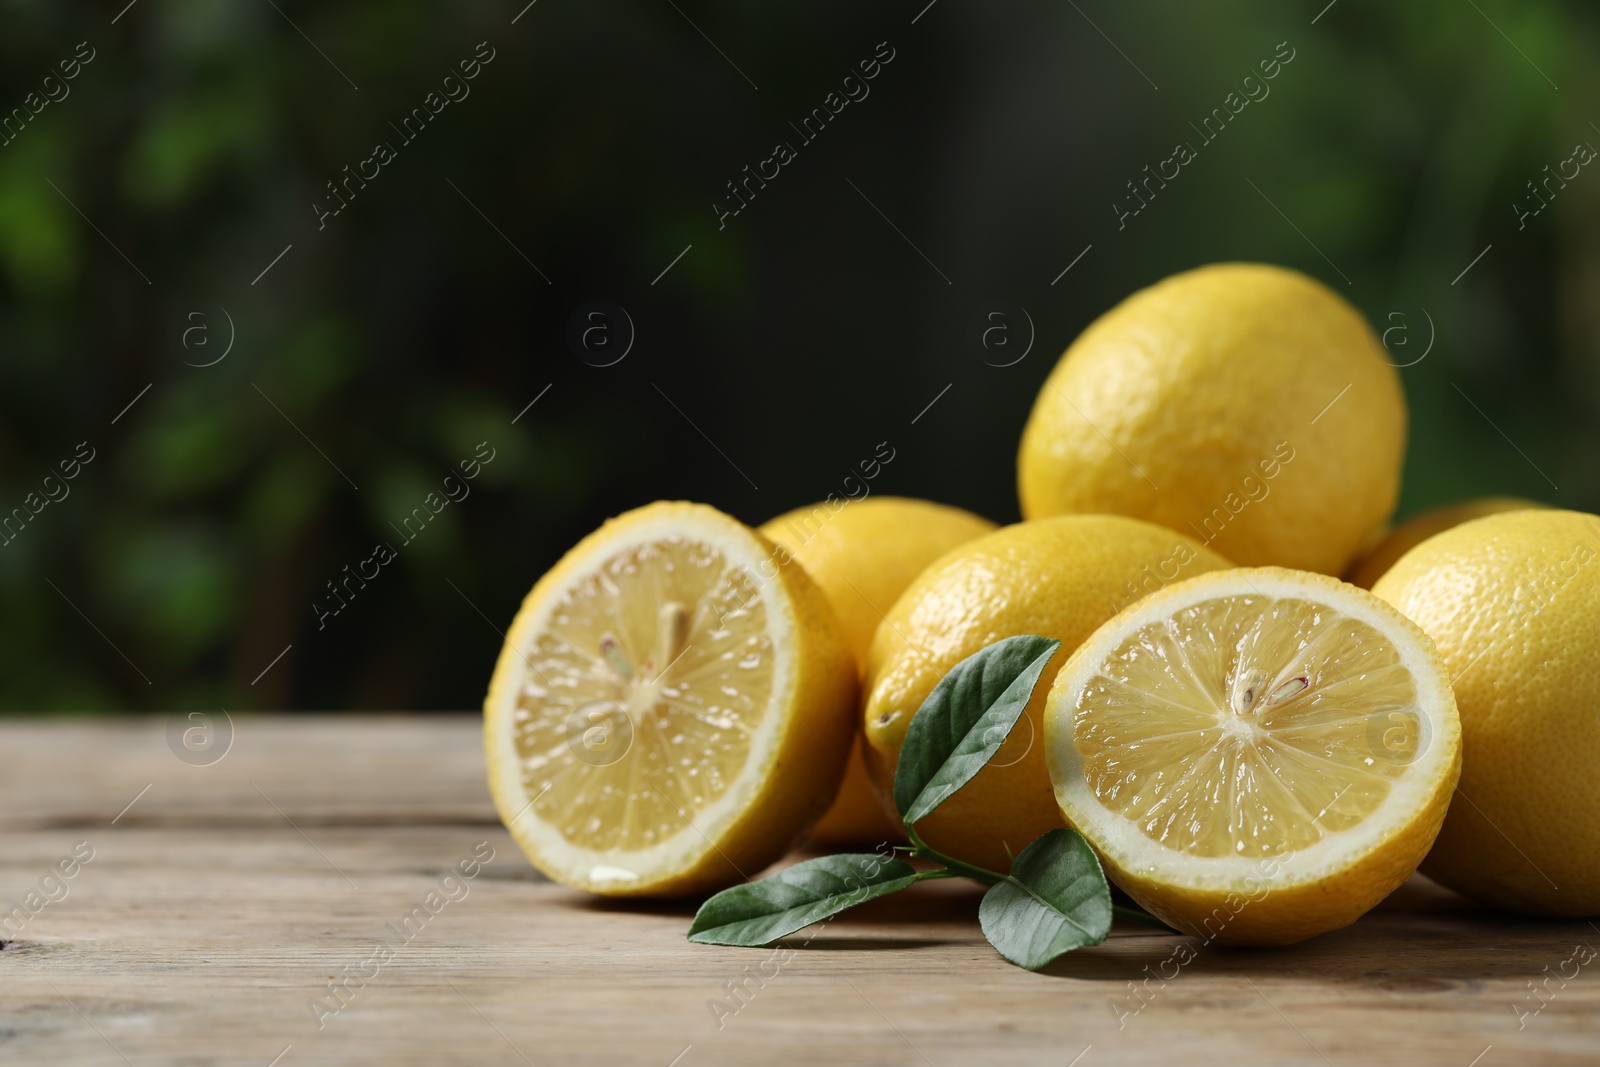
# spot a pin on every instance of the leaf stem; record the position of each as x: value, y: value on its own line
x: 921, y: 850
x: 1138, y: 916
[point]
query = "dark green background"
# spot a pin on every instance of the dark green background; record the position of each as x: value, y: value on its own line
x: 796, y: 339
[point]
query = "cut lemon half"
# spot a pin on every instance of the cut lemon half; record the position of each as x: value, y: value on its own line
x: 1257, y: 755
x: 672, y: 708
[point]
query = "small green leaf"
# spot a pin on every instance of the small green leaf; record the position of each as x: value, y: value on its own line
x: 758, y: 913
x: 965, y: 720
x: 1054, y: 900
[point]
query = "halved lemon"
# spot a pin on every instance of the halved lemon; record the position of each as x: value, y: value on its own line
x: 672, y: 708
x: 1258, y: 755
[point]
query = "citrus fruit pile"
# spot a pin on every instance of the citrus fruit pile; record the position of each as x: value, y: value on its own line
x: 1252, y: 749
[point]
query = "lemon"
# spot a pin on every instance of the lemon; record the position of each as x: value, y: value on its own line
x: 1058, y: 578
x: 1258, y: 755
x: 1246, y: 405
x: 671, y: 708
x: 1423, y: 525
x: 863, y: 554
x: 1513, y: 602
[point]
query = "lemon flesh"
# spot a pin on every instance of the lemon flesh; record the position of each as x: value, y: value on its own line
x: 1268, y: 735
x: 693, y: 690
x: 671, y: 707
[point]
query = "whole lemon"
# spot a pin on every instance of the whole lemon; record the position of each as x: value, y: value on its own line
x: 1425, y: 524
x: 1058, y: 578
x: 1246, y: 405
x: 1513, y: 603
x: 863, y: 553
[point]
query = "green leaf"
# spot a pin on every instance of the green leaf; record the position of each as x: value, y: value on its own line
x: 1054, y: 900
x: 965, y: 720
x: 758, y: 913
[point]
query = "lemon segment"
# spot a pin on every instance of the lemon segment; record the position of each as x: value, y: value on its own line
x: 671, y: 707
x: 1249, y: 731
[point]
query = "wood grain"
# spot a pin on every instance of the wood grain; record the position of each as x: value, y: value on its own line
x: 216, y: 909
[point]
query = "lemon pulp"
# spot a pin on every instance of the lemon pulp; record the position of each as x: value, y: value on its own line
x: 1248, y: 725
x: 643, y: 691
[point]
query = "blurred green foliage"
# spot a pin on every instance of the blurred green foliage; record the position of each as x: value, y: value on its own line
x: 380, y: 350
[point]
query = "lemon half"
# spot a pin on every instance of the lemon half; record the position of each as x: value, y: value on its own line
x: 1258, y: 755
x: 672, y: 708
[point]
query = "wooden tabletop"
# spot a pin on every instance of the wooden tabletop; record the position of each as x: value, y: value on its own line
x: 210, y: 902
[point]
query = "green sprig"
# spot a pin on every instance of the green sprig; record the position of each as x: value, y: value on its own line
x: 1054, y: 899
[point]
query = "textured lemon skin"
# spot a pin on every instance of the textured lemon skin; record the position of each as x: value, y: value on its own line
x: 1060, y: 578
x: 807, y: 763
x: 1513, y: 602
x: 1168, y: 403
x: 863, y: 554
x: 1258, y: 912
x: 1423, y: 525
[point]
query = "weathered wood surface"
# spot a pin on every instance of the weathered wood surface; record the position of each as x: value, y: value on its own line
x: 216, y: 908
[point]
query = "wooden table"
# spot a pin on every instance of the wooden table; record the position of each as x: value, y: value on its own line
x: 220, y: 901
